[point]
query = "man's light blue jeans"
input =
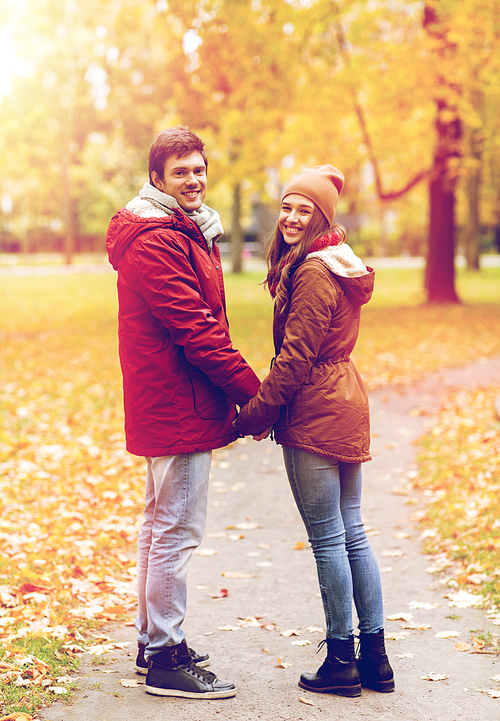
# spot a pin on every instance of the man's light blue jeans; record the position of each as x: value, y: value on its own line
x: 328, y: 496
x: 174, y: 522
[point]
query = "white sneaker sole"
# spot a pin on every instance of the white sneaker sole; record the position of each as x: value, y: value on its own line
x: 190, y: 694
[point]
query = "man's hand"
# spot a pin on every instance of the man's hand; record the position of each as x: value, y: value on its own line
x: 263, y: 435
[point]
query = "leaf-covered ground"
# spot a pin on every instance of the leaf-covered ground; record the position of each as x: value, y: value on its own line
x: 401, y: 339
x: 460, y: 475
x: 71, y: 497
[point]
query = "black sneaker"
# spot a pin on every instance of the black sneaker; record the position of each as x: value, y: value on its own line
x: 172, y: 672
x: 141, y: 665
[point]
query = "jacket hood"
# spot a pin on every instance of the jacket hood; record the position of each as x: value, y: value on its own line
x: 126, y: 226
x: 355, y: 278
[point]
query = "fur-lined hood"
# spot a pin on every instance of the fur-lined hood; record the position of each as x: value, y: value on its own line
x: 355, y: 278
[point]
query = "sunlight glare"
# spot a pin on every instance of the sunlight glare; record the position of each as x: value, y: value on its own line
x: 7, y: 62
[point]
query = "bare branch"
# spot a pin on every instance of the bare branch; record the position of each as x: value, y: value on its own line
x: 421, y: 175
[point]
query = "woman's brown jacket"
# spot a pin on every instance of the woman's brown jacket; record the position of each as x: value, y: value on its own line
x: 314, y: 396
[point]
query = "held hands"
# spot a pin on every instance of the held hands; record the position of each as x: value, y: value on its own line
x: 259, y: 437
x: 262, y: 435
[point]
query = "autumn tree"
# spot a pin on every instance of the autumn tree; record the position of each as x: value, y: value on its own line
x: 395, y: 93
x: 78, y: 123
x: 52, y: 109
x: 412, y: 80
x: 233, y: 78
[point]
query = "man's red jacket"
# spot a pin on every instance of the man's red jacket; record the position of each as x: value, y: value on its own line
x: 181, y: 375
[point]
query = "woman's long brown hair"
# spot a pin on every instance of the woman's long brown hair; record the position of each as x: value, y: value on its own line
x: 279, y: 276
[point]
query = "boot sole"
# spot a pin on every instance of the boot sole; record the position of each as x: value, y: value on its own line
x: 190, y: 694
x: 144, y: 671
x: 350, y: 691
x: 382, y: 687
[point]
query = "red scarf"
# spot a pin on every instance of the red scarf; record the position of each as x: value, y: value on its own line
x: 324, y: 241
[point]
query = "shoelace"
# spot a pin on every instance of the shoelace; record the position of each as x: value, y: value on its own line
x: 356, y: 643
x: 357, y: 650
x: 321, y: 644
x: 201, y: 673
x: 357, y: 646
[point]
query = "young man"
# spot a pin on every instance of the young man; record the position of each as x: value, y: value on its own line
x: 181, y: 381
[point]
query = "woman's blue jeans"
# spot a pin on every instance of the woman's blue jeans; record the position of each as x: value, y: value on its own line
x: 328, y: 496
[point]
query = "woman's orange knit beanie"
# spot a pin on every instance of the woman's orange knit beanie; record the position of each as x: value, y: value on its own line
x: 322, y: 185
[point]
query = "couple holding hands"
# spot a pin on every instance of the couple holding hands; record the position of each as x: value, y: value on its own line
x: 183, y: 381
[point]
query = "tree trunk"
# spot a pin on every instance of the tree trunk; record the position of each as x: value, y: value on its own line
x: 472, y: 230
x: 382, y: 250
x: 472, y: 235
x: 440, y: 268
x: 69, y: 225
x: 236, y: 232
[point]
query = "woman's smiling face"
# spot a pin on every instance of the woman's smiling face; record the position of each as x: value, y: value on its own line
x: 295, y: 213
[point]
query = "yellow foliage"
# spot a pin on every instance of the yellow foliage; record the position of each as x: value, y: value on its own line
x: 460, y: 463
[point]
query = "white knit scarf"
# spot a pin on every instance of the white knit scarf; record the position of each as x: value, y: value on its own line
x: 151, y: 200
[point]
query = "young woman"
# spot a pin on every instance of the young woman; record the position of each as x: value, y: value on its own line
x: 316, y: 402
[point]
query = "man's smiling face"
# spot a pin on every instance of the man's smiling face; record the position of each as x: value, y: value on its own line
x: 185, y: 179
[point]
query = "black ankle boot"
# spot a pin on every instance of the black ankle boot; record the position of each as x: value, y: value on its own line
x: 339, y: 672
x: 374, y: 667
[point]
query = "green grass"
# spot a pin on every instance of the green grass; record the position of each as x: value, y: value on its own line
x: 401, y: 287
x: 75, y: 304
x: 56, y: 664
x: 78, y: 313
x: 401, y: 338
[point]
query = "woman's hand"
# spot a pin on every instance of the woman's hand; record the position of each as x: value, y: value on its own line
x: 263, y: 435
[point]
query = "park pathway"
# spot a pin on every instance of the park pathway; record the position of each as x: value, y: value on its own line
x: 255, y: 537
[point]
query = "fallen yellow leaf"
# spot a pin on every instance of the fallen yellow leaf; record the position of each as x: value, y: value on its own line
x: 290, y: 632
x: 447, y: 634
x: 400, y: 617
x: 205, y: 552
x: 478, y: 643
x: 130, y: 683
x: 249, y: 621
x: 269, y: 626
x: 434, y: 677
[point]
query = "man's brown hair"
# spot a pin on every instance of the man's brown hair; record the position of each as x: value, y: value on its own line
x: 178, y: 141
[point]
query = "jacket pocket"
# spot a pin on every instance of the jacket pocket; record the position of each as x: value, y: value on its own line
x: 284, y: 419
x: 209, y: 400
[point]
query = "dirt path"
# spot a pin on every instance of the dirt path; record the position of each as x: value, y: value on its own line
x: 249, y: 487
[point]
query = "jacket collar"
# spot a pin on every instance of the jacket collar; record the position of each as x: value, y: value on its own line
x: 126, y: 226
